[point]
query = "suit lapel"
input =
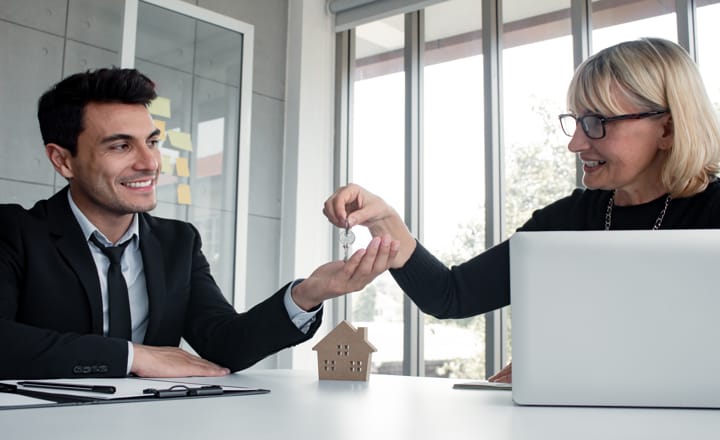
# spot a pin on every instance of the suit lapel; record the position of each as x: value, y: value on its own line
x: 154, y: 268
x: 71, y: 245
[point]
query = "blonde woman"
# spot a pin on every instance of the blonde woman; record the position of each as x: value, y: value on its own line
x: 639, y: 120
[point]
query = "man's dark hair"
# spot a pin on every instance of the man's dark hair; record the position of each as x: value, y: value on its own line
x: 61, y: 109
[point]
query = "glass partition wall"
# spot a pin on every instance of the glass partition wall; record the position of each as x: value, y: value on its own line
x: 198, y: 66
x: 432, y: 155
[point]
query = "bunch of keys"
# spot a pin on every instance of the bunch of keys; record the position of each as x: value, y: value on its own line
x: 346, y: 238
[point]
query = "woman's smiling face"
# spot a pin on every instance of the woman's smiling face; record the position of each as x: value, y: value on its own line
x: 629, y: 158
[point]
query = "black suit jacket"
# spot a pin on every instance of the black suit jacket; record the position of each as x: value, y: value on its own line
x: 51, y: 308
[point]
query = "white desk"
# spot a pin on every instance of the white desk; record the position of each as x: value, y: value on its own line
x: 387, y: 407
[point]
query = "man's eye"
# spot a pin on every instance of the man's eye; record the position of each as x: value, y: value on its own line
x: 123, y: 146
x: 154, y: 143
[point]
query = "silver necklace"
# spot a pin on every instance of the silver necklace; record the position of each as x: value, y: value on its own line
x: 611, y: 202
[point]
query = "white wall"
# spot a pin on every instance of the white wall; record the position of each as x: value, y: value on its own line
x: 308, y: 165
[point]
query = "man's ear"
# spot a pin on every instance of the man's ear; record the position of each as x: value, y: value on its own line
x: 61, y: 159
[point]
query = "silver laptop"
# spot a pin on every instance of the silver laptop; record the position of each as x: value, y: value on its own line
x: 621, y: 318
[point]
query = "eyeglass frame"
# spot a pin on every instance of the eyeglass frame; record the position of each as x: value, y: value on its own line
x: 604, y: 120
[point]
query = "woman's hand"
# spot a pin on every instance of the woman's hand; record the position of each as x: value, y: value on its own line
x: 504, y: 375
x: 357, y: 206
x: 353, y: 205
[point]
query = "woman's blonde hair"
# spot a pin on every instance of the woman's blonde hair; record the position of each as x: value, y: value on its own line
x: 656, y: 74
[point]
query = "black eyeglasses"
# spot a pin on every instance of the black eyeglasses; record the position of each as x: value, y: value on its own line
x: 594, y: 125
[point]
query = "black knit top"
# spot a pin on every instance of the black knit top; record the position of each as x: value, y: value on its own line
x: 482, y: 283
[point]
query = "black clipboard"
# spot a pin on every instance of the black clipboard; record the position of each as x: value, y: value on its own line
x: 152, y: 390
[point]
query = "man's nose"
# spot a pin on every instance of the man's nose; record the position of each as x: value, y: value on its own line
x: 147, y: 158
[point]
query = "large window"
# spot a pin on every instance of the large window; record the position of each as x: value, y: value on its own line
x: 534, y: 53
x: 453, y: 173
x: 614, y: 22
x: 539, y: 169
x: 708, y: 18
x: 377, y: 164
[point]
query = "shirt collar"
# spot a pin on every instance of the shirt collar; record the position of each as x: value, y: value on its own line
x: 88, y: 228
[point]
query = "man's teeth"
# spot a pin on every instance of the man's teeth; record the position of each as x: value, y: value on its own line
x: 142, y: 184
x: 593, y: 163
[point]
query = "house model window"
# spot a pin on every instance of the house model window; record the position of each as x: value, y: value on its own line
x: 344, y: 354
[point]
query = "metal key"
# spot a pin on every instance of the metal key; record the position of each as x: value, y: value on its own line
x: 346, y: 238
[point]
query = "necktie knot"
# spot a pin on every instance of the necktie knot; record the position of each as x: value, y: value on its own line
x: 114, y: 253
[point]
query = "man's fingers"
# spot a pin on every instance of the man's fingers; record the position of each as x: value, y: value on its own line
x: 172, y: 362
x: 382, y: 258
x: 363, y: 268
x: 366, y: 264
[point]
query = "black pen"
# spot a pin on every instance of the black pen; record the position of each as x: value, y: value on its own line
x: 105, y: 389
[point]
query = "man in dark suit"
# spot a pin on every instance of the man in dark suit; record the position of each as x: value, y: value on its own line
x: 57, y: 294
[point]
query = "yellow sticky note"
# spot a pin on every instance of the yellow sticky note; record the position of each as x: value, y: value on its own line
x: 160, y: 125
x: 166, y: 164
x: 181, y: 140
x: 182, y: 167
x: 183, y: 191
x: 160, y: 107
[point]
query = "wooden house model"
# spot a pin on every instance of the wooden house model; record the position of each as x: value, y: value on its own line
x: 344, y: 354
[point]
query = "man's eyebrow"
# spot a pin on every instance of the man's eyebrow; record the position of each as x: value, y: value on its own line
x: 125, y: 137
x: 115, y: 137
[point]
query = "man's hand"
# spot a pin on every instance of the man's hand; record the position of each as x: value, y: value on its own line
x: 338, y: 278
x: 151, y: 361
